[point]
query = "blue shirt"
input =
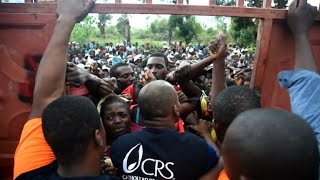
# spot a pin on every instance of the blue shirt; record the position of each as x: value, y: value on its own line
x: 304, y: 92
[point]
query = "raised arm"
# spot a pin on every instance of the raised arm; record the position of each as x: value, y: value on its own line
x: 301, y: 16
x: 303, y: 83
x: 52, y: 69
x: 218, y: 72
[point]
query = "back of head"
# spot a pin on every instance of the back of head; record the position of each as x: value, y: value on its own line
x: 69, y: 125
x: 157, y: 100
x: 270, y: 144
x: 231, y: 102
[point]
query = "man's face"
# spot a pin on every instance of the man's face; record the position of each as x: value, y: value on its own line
x: 116, y: 120
x: 125, y: 76
x: 158, y: 67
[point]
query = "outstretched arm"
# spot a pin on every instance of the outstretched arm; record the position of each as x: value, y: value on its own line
x: 52, y: 69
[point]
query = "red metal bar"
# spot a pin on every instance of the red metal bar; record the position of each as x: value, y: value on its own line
x: 153, y: 9
x: 240, y: 3
x: 262, y: 47
x: 212, y: 2
x: 267, y: 3
x: 148, y: 1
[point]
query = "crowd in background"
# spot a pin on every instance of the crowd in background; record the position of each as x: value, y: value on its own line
x: 239, y: 62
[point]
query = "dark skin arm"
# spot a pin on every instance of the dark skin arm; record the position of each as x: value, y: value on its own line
x: 301, y: 16
x: 50, y: 80
x: 218, y: 72
x: 190, y: 90
x: 97, y: 86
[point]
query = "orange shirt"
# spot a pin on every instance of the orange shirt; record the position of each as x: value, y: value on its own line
x: 33, y: 151
x: 223, y: 175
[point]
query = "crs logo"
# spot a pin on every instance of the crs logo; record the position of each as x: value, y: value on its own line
x: 160, y: 168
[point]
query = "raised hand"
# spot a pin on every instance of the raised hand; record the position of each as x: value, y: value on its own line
x: 76, y: 76
x: 239, y: 78
x: 301, y: 16
x: 147, y: 76
x: 74, y: 10
x: 107, y: 86
x: 218, y: 47
x: 203, y: 128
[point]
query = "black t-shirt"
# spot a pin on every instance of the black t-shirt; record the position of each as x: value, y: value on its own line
x: 162, y: 154
x: 55, y: 176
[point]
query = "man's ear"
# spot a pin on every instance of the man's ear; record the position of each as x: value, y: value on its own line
x: 99, y: 138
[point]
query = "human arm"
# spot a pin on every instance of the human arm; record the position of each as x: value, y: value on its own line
x: 218, y: 71
x: 97, y: 86
x: 214, y: 173
x: 203, y: 128
x: 303, y: 85
x: 51, y: 73
x: 301, y: 16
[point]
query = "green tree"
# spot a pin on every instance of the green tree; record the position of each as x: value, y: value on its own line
x: 280, y: 4
x: 255, y: 3
x: 243, y: 31
x: 103, y: 19
x: 123, y: 26
x: 160, y: 29
x: 226, y: 2
x: 84, y: 30
x: 186, y: 27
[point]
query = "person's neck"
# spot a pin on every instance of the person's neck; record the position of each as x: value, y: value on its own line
x: 159, y: 123
x: 88, y: 167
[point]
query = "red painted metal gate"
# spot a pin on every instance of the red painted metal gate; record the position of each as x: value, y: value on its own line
x: 25, y: 30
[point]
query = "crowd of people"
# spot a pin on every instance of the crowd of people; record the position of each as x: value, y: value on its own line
x: 104, y: 112
x: 100, y: 59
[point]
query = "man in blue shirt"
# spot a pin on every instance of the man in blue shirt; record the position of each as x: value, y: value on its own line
x: 303, y: 83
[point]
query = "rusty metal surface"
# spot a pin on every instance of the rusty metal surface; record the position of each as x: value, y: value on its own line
x: 280, y: 56
x: 23, y: 39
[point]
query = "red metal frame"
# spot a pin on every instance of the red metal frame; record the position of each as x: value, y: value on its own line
x: 36, y: 20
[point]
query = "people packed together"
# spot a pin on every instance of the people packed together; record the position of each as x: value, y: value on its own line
x: 183, y: 113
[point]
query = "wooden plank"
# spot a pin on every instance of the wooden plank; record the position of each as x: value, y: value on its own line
x: 148, y: 1
x: 240, y: 3
x: 267, y: 3
x: 262, y: 47
x: 153, y: 9
x: 212, y: 2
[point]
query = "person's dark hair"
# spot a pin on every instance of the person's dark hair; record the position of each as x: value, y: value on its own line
x: 231, y: 102
x: 157, y: 99
x: 271, y: 144
x: 159, y: 54
x: 111, y: 99
x: 230, y: 83
x: 69, y: 124
x: 113, y: 69
x: 143, y: 64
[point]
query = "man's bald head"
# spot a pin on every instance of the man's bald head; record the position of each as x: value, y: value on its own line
x: 157, y: 99
x: 270, y: 144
